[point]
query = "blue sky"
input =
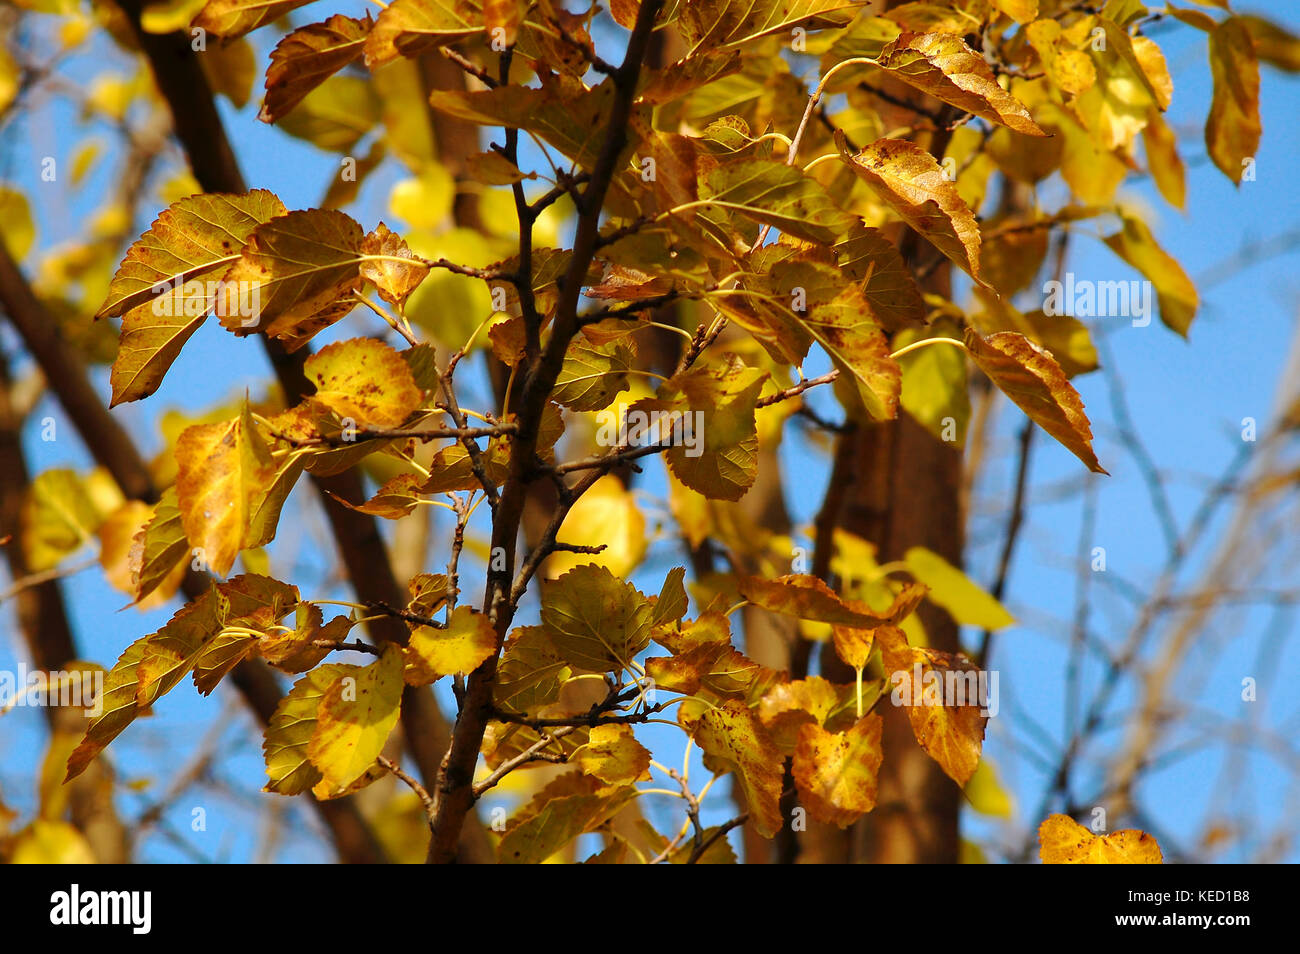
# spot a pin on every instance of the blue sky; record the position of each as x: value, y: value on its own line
x: 1187, y: 400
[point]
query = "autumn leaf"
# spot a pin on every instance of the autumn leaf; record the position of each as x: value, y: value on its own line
x: 411, y: 27
x: 593, y: 374
x: 1033, y: 380
x: 159, y: 550
x: 887, y: 283
x: 232, y: 18
x: 295, y: 276
x: 773, y: 193
x: 1232, y: 129
x: 944, y: 704
x: 671, y: 604
x: 354, y: 718
x: 597, y: 622
x: 734, y: 740
x: 606, y: 514
x: 614, y: 756
x: 391, y: 266
x: 530, y: 671
x: 168, y: 282
x: 297, y: 650
x: 305, y: 58
x: 365, y: 380
x: 394, y: 500
x: 718, y: 455
x: 58, y: 517
x: 466, y: 641
x: 224, y: 470
x: 943, y: 66
x: 911, y: 182
x: 289, y: 733
x: 728, y: 23
x: 808, y: 597
x: 1175, y: 292
x: 965, y: 601
x: 835, y: 772
x: 1063, y: 841
x: 565, y: 808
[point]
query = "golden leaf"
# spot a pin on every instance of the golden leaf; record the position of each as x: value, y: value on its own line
x: 1063, y: 841
x: 835, y: 772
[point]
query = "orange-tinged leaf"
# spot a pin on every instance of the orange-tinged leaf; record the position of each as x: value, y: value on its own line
x: 887, y: 283
x: 411, y: 27
x: 808, y: 597
x: 614, y: 756
x: 224, y: 471
x: 397, y: 498
x: 394, y: 271
x: 365, y: 380
x: 1063, y: 841
x: 308, y: 56
x: 1232, y: 129
x: 466, y: 641
x: 501, y: 18
x: 941, y: 692
x: 354, y: 719
x: 730, y: 23
x: 295, y: 276
x: 835, y: 772
x: 295, y: 650
x: 168, y: 281
x: 1030, y: 377
x: 787, y: 706
x: 734, y: 740
x: 911, y: 182
x: 943, y: 66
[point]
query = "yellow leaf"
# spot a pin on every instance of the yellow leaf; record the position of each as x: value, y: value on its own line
x: 231, y: 69
x: 1063, y: 841
x: 942, y: 694
x: 808, y: 597
x: 1031, y: 378
x: 159, y: 553
x: 411, y: 27
x: 225, y: 470
x: 355, y: 716
x: 707, y: 414
x: 232, y: 18
x: 365, y: 380
x: 294, y: 277
x: 912, y: 183
x: 461, y: 647
x: 1232, y: 130
x: 1273, y: 44
x: 17, y: 230
x: 168, y: 282
x: 305, y: 58
x: 835, y: 772
x: 395, y: 271
x: 570, y: 805
x: 1163, y: 160
x: 51, y: 843
x: 296, y: 650
x: 734, y: 740
x: 614, y: 756
x: 530, y: 671
x: 607, y: 513
x: 1175, y: 292
x: 597, y: 622
x: 1022, y: 11
x: 424, y: 202
x: 986, y: 793
x: 291, y: 728
x: 943, y: 66
x: 966, y: 602
x: 58, y: 516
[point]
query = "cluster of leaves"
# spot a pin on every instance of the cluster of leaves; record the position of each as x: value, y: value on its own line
x: 677, y: 174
